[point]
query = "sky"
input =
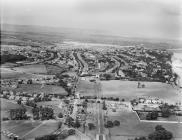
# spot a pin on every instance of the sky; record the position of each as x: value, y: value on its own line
x: 131, y: 18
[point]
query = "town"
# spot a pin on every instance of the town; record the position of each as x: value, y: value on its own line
x: 87, y: 93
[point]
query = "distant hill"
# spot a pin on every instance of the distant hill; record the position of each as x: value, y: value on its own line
x: 91, y: 36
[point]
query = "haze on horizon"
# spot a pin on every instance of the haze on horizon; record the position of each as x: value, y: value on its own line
x: 131, y: 18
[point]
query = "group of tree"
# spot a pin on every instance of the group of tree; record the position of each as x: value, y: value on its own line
x: 12, y: 58
x: 104, y: 106
x: 110, y: 98
x: 71, y: 123
x: 63, y: 83
x: 110, y: 124
x: 152, y: 115
x: 31, y: 103
x: 166, y: 110
x: 63, y: 135
x: 60, y: 115
x: 47, y: 137
x: 160, y: 133
x: 91, y: 126
x: 43, y: 113
x: 18, y: 114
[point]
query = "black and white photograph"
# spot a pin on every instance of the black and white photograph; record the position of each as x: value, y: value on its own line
x: 91, y: 69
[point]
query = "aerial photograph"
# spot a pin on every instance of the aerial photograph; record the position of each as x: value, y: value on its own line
x: 91, y: 70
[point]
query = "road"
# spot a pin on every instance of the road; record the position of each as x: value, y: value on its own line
x: 100, y: 116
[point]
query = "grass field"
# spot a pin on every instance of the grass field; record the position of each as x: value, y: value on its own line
x: 36, y: 88
x: 128, y: 90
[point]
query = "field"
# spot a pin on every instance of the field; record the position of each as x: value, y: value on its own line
x: 7, y: 73
x: 130, y: 126
x: 128, y: 90
x: 52, y: 69
x: 37, y: 88
x: 19, y: 127
x: 33, y: 69
x: 86, y: 88
x: 6, y: 105
x: 44, y: 129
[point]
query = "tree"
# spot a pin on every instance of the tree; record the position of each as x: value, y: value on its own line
x: 141, y: 138
x: 77, y: 124
x: 159, y: 127
x: 71, y: 132
x: 18, y: 114
x: 91, y: 126
x: 60, y: 125
x: 160, y: 133
x: 47, y: 137
x: 60, y: 115
x: 165, y: 110
x: 109, y: 124
x: 104, y: 105
x: 69, y: 121
x: 116, y: 123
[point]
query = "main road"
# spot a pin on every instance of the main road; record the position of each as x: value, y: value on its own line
x: 100, y: 117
